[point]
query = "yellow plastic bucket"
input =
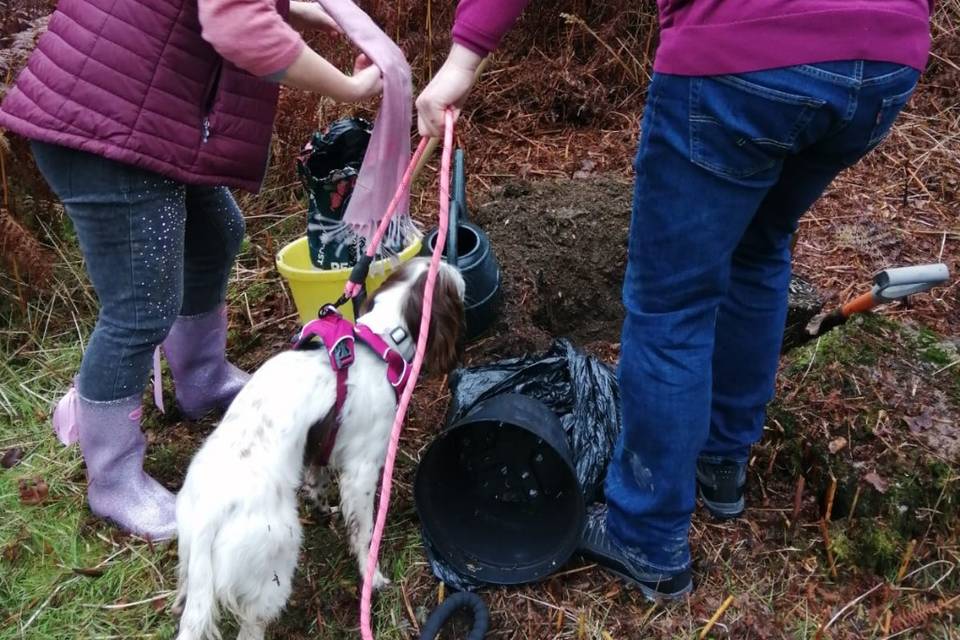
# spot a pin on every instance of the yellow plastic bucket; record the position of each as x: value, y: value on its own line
x: 312, y: 288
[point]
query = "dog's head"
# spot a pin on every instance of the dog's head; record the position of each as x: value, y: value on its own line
x: 403, y: 294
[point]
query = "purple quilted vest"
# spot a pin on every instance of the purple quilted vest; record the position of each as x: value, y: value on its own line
x: 135, y: 82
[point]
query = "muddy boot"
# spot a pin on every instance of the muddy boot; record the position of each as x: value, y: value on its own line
x: 721, y: 485
x: 599, y: 545
x: 113, y: 447
x: 196, y: 352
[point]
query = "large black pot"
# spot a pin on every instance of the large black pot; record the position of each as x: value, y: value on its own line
x: 497, y: 493
x: 468, y: 249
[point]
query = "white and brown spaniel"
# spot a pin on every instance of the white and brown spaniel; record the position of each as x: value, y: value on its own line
x: 237, y: 513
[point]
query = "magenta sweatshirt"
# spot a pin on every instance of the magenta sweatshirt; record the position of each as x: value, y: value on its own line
x: 712, y: 37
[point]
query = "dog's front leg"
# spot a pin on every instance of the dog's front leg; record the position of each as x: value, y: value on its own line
x: 252, y: 630
x: 358, y: 482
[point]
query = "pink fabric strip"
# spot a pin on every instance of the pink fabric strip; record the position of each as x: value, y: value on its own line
x: 389, y: 146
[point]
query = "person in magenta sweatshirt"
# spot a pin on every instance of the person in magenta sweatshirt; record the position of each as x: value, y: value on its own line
x: 754, y: 108
x: 141, y: 114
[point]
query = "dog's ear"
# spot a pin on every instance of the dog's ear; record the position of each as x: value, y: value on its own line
x: 395, y: 279
x: 447, y: 324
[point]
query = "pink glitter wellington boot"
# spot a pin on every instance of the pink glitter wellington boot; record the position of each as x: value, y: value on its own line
x: 195, y: 349
x: 113, y: 447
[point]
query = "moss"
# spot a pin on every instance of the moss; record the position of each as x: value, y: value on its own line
x: 930, y: 347
x: 847, y: 345
x: 877, y: 548
x: 842, y: 547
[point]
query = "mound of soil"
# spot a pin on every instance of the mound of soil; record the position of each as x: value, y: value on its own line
x: 562, y: 246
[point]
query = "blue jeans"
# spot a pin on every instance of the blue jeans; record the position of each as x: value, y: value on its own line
x: 725, y: 168
x: 154, y: 249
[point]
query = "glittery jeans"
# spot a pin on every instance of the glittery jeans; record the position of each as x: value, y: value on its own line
x: 154, y: 249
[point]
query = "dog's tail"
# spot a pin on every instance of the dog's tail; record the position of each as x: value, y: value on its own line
x: 200, y: 614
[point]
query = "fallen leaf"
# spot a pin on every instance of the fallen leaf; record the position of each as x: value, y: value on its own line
x: 919, y: 423
x: 614, y: 591
x: 875, y: 481
x: 33, y: 491
x: 11, y: 458
x: 92, y: 572
x: 11, y: 552
x: 838, y: 444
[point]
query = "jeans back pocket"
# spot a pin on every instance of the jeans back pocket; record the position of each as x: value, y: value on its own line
x: 890, y: 108
x: 739, y: 128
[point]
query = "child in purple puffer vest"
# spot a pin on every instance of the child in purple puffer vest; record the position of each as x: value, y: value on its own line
x: 141, y: 115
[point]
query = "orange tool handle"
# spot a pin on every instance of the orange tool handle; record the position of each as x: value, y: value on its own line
x: 861, y: 303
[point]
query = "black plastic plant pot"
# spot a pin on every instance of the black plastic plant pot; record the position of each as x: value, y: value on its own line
x: 497, y: 493
x: 480, y: 271
x: 468, y: 249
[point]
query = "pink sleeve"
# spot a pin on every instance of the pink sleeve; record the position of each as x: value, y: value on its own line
x: 480, y: 24
x: 251, y: 34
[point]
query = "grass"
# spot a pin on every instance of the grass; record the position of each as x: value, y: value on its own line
x: 64, y: 576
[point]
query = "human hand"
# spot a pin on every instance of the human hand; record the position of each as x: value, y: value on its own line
x: 448, y: 90
x: 366, y: 79
x: 310, y: 16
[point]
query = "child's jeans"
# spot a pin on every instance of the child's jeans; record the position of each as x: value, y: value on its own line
x: 154, y: 249
x: 725, y: 168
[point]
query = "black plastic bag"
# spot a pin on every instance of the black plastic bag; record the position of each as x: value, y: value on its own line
x: 328, y: 166
x: 579, y: 388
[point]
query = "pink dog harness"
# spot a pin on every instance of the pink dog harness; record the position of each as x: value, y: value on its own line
x: 339, y: 337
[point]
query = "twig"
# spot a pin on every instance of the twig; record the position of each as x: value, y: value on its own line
x: 847, y: 607
x: 831, y: 493
x: 949, y: 366
x: 797, y: 500
x: 813, y: 358
x: 936, y: 583
x: 646, y: 616
x: 716, y: 616
x: 907, y: 557
x: 887, y: 618
x: 128, y: 605
x: 826, y: 544
x: 570, y: 572
x: 853, y: 504
x: 406, y: 603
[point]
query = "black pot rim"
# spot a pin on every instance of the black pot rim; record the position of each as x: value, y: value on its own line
x: 431, y: 244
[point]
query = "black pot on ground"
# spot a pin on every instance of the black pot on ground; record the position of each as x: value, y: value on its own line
x: 497, y: 493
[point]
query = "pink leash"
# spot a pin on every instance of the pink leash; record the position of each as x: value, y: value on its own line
x: 351, y: 290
